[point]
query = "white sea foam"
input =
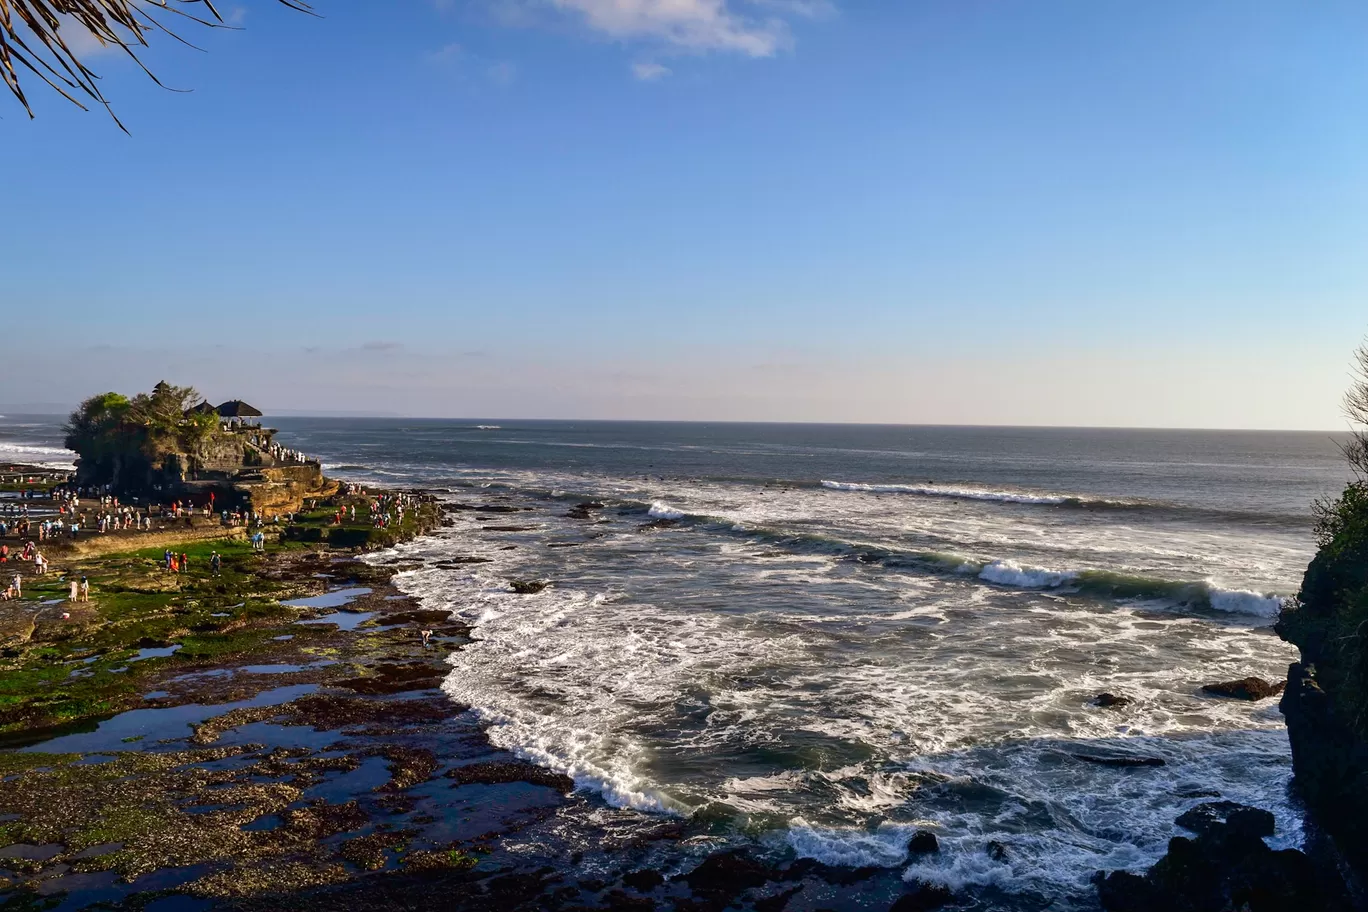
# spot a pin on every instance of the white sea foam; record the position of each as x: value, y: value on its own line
x: 661, y: 510
x: 1244, y: 601
x: 1011, y: 573
x: 38, y: 455
x: 884, y: 847
x: 652, y: 658
x: 946, y: 491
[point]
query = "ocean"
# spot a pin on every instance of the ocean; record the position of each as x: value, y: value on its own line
x: 823, y: 638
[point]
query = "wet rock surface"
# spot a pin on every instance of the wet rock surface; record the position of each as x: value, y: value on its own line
x: 1226, y: 866
x: 1245, y: 689
x: 1111, y: 701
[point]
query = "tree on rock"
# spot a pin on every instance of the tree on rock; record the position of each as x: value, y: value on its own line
x: 146, y: 441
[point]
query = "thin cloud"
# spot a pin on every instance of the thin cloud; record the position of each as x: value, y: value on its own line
x: 650, y: 72
x: 446, y: 55
x: 755, y: 28
x: 502, y: 73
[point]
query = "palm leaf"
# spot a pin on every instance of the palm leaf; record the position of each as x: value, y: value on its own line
x: 34, y: 39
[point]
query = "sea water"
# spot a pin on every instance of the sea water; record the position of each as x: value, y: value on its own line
x: 823, y: 638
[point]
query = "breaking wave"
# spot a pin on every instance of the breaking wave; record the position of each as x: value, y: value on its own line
x: 1110, y: 584
x: 1017, y: 497
x: 1007, y: 572
x: 662, y: 510
x: 32, y: 453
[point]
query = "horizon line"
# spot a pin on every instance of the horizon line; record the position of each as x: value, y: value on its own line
x: 391, y: 416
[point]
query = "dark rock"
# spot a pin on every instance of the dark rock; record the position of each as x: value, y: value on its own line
x: 1119, y: 761
x: 618, y: 901
x: 923, y: 842
x: 724, y: 875
x: 527, y: 587
x: 673, y: 831
x: 778, y: 902
x: 1227, y: 866
x: 502, y: 773
x: 643, y: 881
x: 395, y: 677
x: 1111, y: 701
x: 835, y: 875
x: 1330, y: 764
x: 1212, y: 815
x: 996, y: 851
x: 922, y: 897
x: 1245, y: 689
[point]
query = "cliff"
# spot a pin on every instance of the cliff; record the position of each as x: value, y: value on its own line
x: 1326, y: 700
x: 283, y: 489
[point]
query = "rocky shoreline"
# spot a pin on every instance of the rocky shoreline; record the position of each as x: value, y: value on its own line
x: 275, y: 735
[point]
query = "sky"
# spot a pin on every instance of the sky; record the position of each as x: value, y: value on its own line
x: 1058, y: 212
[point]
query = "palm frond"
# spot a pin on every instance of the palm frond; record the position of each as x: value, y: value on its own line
x: 35, y: 35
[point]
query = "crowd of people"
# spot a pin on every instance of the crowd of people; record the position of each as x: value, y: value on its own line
x: 267, y: 445
x: 30, y: 554
x: 389, y: 508
x: 72, y: 511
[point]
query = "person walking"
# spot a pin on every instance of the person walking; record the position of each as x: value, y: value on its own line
x: 215, y: 563
x: 85, y: 589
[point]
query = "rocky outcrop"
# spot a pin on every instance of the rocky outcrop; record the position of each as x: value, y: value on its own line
x: 1245, y: 689
x: 1330, y: 766
x: 283, y: 489
x: 1226, y: 866
x: 1111, y: 701
x: 1326, y: 697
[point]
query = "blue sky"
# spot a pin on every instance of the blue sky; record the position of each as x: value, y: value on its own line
x: 977, y: 212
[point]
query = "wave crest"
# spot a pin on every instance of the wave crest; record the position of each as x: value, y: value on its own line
x: 1018, y: 497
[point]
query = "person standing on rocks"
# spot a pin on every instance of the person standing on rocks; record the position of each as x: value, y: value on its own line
x: 85, y: 589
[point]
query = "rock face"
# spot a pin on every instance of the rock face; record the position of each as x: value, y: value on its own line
x: 1330, y: 766
x: 923, y: 842
x: 283, y: 489
x: 1245, y: 689
x: 1227, y: 866
x: 1326, y: 700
